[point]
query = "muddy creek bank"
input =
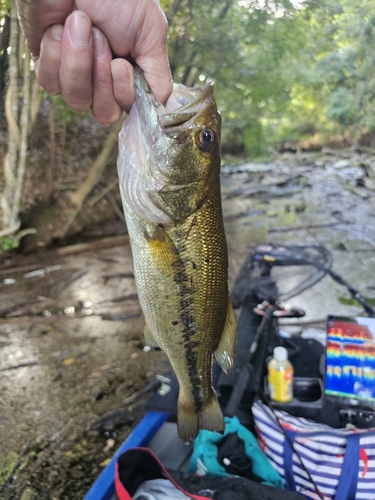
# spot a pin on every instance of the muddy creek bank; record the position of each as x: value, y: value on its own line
x: 71, y: 328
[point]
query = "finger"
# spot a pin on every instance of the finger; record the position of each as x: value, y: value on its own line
x: 77, y: 62
x: 123, y: 88
x: 140, y: 31
x: 104, y: 106
x: 151, y: 54
x: 158, y: 75
x: 47, y: 66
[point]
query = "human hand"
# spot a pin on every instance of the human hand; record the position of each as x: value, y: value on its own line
x: 72, y: 44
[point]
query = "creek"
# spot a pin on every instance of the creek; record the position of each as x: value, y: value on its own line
x: 71, y: 328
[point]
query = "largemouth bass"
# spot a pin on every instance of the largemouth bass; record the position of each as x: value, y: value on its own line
x: 169, y: 170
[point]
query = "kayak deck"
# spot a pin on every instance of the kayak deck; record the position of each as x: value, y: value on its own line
x: 160, y: 436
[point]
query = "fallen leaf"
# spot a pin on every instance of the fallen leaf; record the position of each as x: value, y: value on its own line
x: 110, y: 444
x: 68, y: 361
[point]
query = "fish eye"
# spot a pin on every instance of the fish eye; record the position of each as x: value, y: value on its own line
x: 206, y: 138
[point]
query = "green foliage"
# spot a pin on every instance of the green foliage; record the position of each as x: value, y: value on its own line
x: 280, y: 70
x: 340, y: 63
x: 254, y: 140
x: 241, y: 46
x: 7, y: 467
x: 341, y: 106
x: 4, y: 7
x: 7, y: 244
x: 64, y: 114
x: 352, y: 302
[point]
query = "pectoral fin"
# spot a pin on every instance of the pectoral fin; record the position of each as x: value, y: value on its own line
x: 226, y: 350
x: 163, y: 250
x: 149, y: 337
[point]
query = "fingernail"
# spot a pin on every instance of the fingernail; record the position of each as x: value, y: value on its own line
x: 99, y: 42
x: 120, y: 73
x: 80, y: 29
x: 57, y: 31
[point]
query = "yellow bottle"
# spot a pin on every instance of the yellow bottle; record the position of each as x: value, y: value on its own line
x: 280, y: 376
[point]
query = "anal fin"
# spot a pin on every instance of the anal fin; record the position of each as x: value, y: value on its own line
x: 226, y: 350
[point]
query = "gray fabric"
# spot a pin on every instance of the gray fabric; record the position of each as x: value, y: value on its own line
x: 159, y: 489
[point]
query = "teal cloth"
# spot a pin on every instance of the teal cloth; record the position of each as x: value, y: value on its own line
x: 205, y: 450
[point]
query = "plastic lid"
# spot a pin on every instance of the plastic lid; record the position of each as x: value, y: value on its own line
x: 280, y: 353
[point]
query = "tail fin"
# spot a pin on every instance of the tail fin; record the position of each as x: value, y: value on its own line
x: 189, y: 421
x: 211, y: 417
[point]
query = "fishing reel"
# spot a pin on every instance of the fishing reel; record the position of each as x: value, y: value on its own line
x: 279, y: 310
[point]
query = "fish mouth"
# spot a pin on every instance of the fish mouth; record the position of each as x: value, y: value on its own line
x: 182, y: 107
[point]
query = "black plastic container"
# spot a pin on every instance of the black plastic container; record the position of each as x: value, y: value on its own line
x: 307, y: 399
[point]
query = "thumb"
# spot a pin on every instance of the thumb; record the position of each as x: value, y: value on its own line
x: 158, y: 75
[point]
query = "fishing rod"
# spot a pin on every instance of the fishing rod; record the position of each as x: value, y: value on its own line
x: 298, y: 255
x: 245, y: 373
x: 354, y: 293
x: 270, y: 313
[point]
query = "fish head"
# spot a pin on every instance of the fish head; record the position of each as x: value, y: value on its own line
x: 169, y: 159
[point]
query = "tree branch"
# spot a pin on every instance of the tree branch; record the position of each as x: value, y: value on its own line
x: 25, y: 117
x: 78, y: 197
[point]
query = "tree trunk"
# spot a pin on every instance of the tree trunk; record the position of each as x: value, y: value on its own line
x: 52, y: 150
x: 36, y: 99
x: 24, y: 125
x: 4, y: 44
x: 14, y: 136
x: 18, y: 129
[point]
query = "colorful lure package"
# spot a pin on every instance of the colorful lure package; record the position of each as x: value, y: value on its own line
x: 350, y: 359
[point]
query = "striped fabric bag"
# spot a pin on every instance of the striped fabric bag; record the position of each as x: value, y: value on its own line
x: 340, y: 461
